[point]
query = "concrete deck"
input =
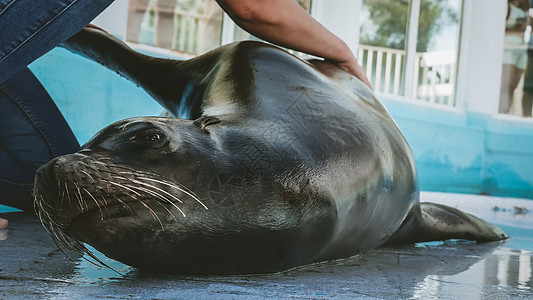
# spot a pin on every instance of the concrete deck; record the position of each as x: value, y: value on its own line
x: 31, y: 266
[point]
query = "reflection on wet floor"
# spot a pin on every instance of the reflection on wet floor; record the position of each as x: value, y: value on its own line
x: 31, y: 266
x: 503, y: 267
x: 452, y: 270
x: 511, y: 269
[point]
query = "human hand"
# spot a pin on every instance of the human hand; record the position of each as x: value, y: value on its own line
x: 351, y: 66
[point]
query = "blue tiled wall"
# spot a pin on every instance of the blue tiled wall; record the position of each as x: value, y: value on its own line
x: 467, y: 152
x: 455, y: 151
x: 90, y: 96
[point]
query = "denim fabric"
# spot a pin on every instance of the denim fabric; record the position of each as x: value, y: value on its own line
x: 31, y: 28
x: 32, y: 130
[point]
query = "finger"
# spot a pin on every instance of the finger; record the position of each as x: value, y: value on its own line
x: 358, y: 72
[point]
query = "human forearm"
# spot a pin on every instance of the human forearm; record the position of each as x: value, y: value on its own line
x: 285, y: 23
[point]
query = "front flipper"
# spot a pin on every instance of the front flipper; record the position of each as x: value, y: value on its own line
x: 187, y: 89
x: 159, y: 77
x: 177, y: 85
x: 437, y: 222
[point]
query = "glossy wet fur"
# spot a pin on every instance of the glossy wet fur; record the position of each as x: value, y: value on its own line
x: 184, y: 233
x: 281, y: 163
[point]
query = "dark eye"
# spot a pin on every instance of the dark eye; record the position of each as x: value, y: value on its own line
x: 150, y: 139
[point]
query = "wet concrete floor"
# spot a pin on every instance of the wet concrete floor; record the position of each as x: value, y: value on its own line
x: 32, y: 267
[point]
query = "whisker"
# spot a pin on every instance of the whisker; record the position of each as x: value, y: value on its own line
x: 49, y: 206
x: 190, y: 194
x: 124, y: 203
x: 123, y: 127
x: 80, y: 197
x: 161, y: 204
x: 43, y: 210
x: 66, y: 190
x: 124, y: 187
x: 97, y: 204
x: 100, y: 163
x: 59, y: 188
x: 161, y: 197
x: 62, y: 191
x: 140, y: 201
x: 106, y: 205
x: 91, y: 254
x: 159, y: 189
x: 88, y: 175
x: 152, y: 212
x: 105, y: 201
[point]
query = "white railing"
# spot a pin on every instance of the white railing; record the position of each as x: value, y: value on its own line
x: 434, y: 76
x: 383, y: 68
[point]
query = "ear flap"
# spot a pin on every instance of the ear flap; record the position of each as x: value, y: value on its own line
x: 205, y: 121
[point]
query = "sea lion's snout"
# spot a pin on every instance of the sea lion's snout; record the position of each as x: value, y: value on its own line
x: 46, y: 187
x: 92, y: 189
x: 45, y: 178
x: 60, y: 187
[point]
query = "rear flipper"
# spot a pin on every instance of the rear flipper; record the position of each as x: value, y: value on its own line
x: 437, y: 222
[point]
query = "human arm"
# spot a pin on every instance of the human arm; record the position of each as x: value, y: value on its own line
x: 285, y: 23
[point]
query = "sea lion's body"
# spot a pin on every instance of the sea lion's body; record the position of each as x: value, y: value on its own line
x: 286, y: 163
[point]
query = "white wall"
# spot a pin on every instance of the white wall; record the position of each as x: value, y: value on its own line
x: 114, y: 19
x: 342, y: 17
x: 480, y: 56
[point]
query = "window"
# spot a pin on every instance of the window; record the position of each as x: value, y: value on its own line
x: 436, y: 51
x: 382, y: 44
x: 190, y: 26
x: 516, y: 92
x: 409, y: 48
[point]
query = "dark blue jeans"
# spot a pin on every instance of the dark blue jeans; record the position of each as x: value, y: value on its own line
x: 32, y: 130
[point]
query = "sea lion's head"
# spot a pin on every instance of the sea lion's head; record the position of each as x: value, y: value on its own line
x: 182, y: 196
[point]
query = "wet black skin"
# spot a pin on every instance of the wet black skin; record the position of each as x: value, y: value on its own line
x: 296, y: 163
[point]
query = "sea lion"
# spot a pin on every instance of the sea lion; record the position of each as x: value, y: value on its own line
x: 274, y: 162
